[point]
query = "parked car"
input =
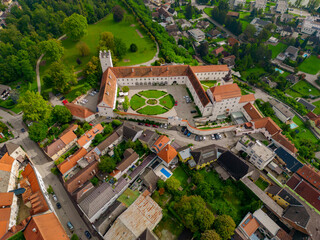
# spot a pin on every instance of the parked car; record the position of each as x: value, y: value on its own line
x: 212, y: 137
x: 70, y: 226
x: 88, y: 235
x: 193, y: 111
x: 155, y: 126
x: 189, y: 134
x: 58, y: 205
x: 62, y: 98
x: 183, y: 129
x: 176, y: 103
x: 200, y: 138
x: 147, y: 124
x: 23, y: 130
x: 55, y: 198
x: 186, y: 132
x: 217, y: 136
x: 196, y: 138
x: 165, y: 126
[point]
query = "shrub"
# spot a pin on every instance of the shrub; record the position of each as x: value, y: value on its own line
x: 133, y: 47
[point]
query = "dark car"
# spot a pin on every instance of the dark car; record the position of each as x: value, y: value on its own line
x: 62, y: 98
x: 140, y: 123
x: 217, y: 136
x: 23, y: 130
x: 186, y: 132
x: 88, y: 235
x: 183, y: 129
x: 196, y: 138
x: 193, y: 111
x: 58, y: 205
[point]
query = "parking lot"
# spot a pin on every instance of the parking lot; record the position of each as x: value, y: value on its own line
x: 89, y: 101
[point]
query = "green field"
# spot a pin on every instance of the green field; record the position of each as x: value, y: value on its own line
x: 261, y: 184
x: 167, y: 101
x: 128, y: 197
x: 180, y: 174
x: 311, y: 65
x: 152, y: 93
x: 152, y: 110
x: 304, y: 132
x: 137, y: 102
x: 280, y: 47
x: 303, y: 87
x: 317, y: 110
x: 257, y: 70
x: 293, y: 93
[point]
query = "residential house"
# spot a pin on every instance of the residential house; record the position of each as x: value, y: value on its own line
x: 229, y: 60
x: 292, y: 78
x: 184, y: 23
x: 149, y: 179
x: 260, y: 4
x: 143, y: 214
x: 80, y: 112
x: 286, y: 31
x: 132, y: 132
x: 314, y: 121
x: 309, y: 106
x: 148, y: 137
x: 233, y: 14
x: 260, y: 155
x: 197, y: 34
x: 218, y: 51
x: 232, y: 41
x: 282, y: 6
x: 86, y: 139
x: 172, y: 11
x: 236, y: 3
x: 285, y: 17
x: 184, y: 154
x: 172, y: 29
x: 292, y: 53
x: 110, y: 142
x: 273, y: 40
x: 269, y: 82
x: 167, y: 155
x: 203, y: 24
x: 281, y: 111
x: 250, y: 112
x: 310, y: 25
x: 8, y: 172
x: 14, y: 151
x: 45, y: 227
x: 130, y: 157
x: 161, y: 142
x: 259, y: 24
x: 204, y: 156
x: 165, y: 15
x: 213, y: 33
x: 287, y: 160
x: 4, y: 92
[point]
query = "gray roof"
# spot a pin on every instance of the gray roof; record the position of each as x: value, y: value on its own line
x: 292, y: 50
x: 149, y: 179
x: 298, y: 215
x: 130, y: 130
x: 112, y: 138
x: 258, y: 21
x: 4, y: 180
x: 8, y: 148
x: 281, y: 108
x: 129, y: 157
x: 184, y: 152
x: 206, y: 154
x: 308, y: 106
x: 149, y: 137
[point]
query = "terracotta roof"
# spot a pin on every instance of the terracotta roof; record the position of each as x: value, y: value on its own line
x: 6, y: 199
x: 281, y: 139
x: 160, y: 143
x: 71, y: 161
x: 81, y: 177
x: 252, y: 111
x: 92, y: 156
x: 247, y: 98
x: 268, y: 124
x: 167, y: 153
x: 54, y: 147
x: 313, y: 117
x: 108, y: 88
x: 250, y: 225
x: 45, y: 227
x: 6, y: 163
x: 198, y: 88
x: 225, y: 92
x: 210, y: 68
x: 79, y: 111
x: 16, y: 228
x: 232, y: 41
x: 127, y: 161
x: 310, y: 175
x: 218, y: 50
x: 69, y: 136
x: 4, y: 220
x: 72, y: 127
x: 89, y: 135
x: 233, y: 14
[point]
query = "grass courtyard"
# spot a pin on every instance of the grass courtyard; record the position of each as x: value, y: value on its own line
x: 208, y: 84
x: 152, y: 110
x: 152, y: 93
x: 280, y: 47
x: 137, y: 102
x: 310, y: 65
x: 167, y: 101
x: 128, y: 197
x: 261, y: 184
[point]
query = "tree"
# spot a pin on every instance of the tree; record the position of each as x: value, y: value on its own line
x: 133, y: 47
x: 125, y: 89
x: 83, y: 48
x: 75, y: 26
x: 204, y: 49
x: 173, y: 184
x: 249, y: 31
x: 61, y: 114
x: 116, y: 122
x: 118, y: 13
x: 97, y: 139
x: 53, y: 49
x: 210, y: 235
x: 120, y: 47
x: 38, y: 131
x: 189, y: 11
x: 107, y: 129
x: 74, y: 237
x: 126, y: 103
x: 34, y: 107
x: 59, y: 78
x: 225, y: 226
x: 107, y: 164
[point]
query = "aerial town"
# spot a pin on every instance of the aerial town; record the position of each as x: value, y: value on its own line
x: 160, y: 120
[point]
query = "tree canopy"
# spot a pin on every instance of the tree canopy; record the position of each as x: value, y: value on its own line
x: 38, y: 131
x: 107, y: 164
x: 173, y: 184
x: 225, y: 226
x: 210, y: 235
x: 118, y: 13
x: 61, y: 114
x: 75, y: 26
x: 53, y: 49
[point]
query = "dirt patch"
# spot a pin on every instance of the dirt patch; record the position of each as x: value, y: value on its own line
x: 132, y: 25
x: 126, y: 60
x: 139, y: 33
x: 24, y: 211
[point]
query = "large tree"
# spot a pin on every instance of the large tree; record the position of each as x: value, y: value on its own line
x: 225, y: 226
x: 34, y: 107
x: 75, y: 26
x: 210, y: 235
x: 107, y: 164
x: 61, y: 114
x: 52, y: 48
x: 83, y: 48
x: 173, y: 184
x: 38, y: 131
x: 118, y: 13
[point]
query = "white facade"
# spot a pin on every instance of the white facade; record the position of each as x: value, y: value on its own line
x: 104, y: 109
x: 197, y: 34
x: 152, y: 81
x: 211, y: 75
x: 13, y: 175
x: 310, y: 25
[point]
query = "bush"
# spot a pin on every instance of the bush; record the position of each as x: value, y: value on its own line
x: 133, y: 47
x: 118, y: 13
x: 50, y: 189
x: 94, y: 181
x: 55, y: 171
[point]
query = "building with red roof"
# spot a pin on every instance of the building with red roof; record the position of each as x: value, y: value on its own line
x: 160, y: 143
x: 167, y: 154
x: 86, y: 139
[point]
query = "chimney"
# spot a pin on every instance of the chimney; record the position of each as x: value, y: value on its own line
x: 34, y: 230
x: 144, y: 135
x: 151, y: 69
x: 79, y: 182
x: 167, y: 68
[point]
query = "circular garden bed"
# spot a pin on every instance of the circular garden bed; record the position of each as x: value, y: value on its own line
x: 152, y: 101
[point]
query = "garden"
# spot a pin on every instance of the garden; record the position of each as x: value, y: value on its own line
x: 5, y: 133
x: 128, y: 197
x: 310, y: 65
x: 152, y: 102
x: 317, y: 109
x: 280, y: 47
x: 303, y: 89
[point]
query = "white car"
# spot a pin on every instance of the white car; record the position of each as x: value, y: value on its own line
x: 55, y: 198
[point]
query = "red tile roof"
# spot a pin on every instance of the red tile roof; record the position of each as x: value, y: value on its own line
x: 4, y: 220
x: 232, y: 41
x: 310, y: 175
x: 160, y: 143
x: 71, y: 161
x: 247, y: 98
x: 218, y: 50
x: 79, y: 111
x: 168, y: 153
x: 252, y: 111
x: 268, y: 124
x: 281, y: 139
x: 6, y: 199
x: 250, y: 225
x: 6, y: 163
x: 88, y: 136
x: 198, y: 88
x: 210, y: 68
x: 69, y: 136
x: 225, y: 91
x: 108, y: 88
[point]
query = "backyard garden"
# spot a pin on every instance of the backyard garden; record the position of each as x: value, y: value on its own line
x: 303, y: 89
x: 310, y: 65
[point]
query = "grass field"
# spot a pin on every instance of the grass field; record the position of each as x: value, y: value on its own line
x: 261, y: 184
x: 179, y: 174
x: 311, y: 65
x: 303, y: 87
x: 152, y: 110
x: 257, y: 70
x: 280, y: 47
x: 152, y: 93
x: 167, y: 101
x: 317, y: 110
x: 304, y: 132
x: 137, y: 102
x: 128, y: 197
x: 293, y: 93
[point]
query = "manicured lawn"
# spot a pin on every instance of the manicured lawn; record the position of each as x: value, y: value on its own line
x: 280, y: 47
x: 128, y: 197
x: 167, y: 101
x: 208, y: 84
x: 303, y: 132
x: 70, y: 96
x: 208, y: 11
x: 152, y: 93
x: 317, y: 110
x: 306, y: 88
x: 257, y: 70
x: 137, y: 102
x: 310, y: 65
x: 293, y: 93
x: 152, y: 110
x: 261, y: 184
x: 179, y: 174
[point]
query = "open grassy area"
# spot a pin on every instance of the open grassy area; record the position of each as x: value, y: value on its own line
x: 152, y: 110
x: 257, y: 70
x: 306, y: 89
x: 167, y: 101
x: 261, y: 184
x: 317, y: 110
x: 302, y: 132
x: 293, y: 93
x: 208, y: 84
x: 208, y: 11
x: 152, y: 93
x: 168, y: 228
x: 128, y: 197
x: 310, y: 65
x: 180, y: 174
x: 280, y: 47
x: 137, y: 102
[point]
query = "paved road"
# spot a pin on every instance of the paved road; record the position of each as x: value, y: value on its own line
x: 68, y: 211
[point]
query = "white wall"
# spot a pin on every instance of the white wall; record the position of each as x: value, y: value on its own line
x: 211, y: 75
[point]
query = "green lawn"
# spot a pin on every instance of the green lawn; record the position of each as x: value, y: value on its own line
x: 179, y: 174
x: 128, y: 197
x: 70, y: 96
x: 208, y: 11
x: 152, y: 93
x: 304, y: 132
x: 306, y: 89
x: 137, y: 102
x: 293, y: 93
x: 261, y: 184
x: 311, y: 65
x: 317, y: 110
x: 208, y: 84
x: 167, y: 101
x: 152, y: 110
x: 257, y: 70
x: 280, y: 47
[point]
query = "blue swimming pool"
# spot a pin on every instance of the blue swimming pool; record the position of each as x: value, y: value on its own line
x: 279, y: 70
x: 165, y: 172
x: 305, y: 55
x: 293, y: 125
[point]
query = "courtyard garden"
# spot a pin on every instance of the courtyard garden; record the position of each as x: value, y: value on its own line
x: 152, y: 102
x: 128, y: 197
